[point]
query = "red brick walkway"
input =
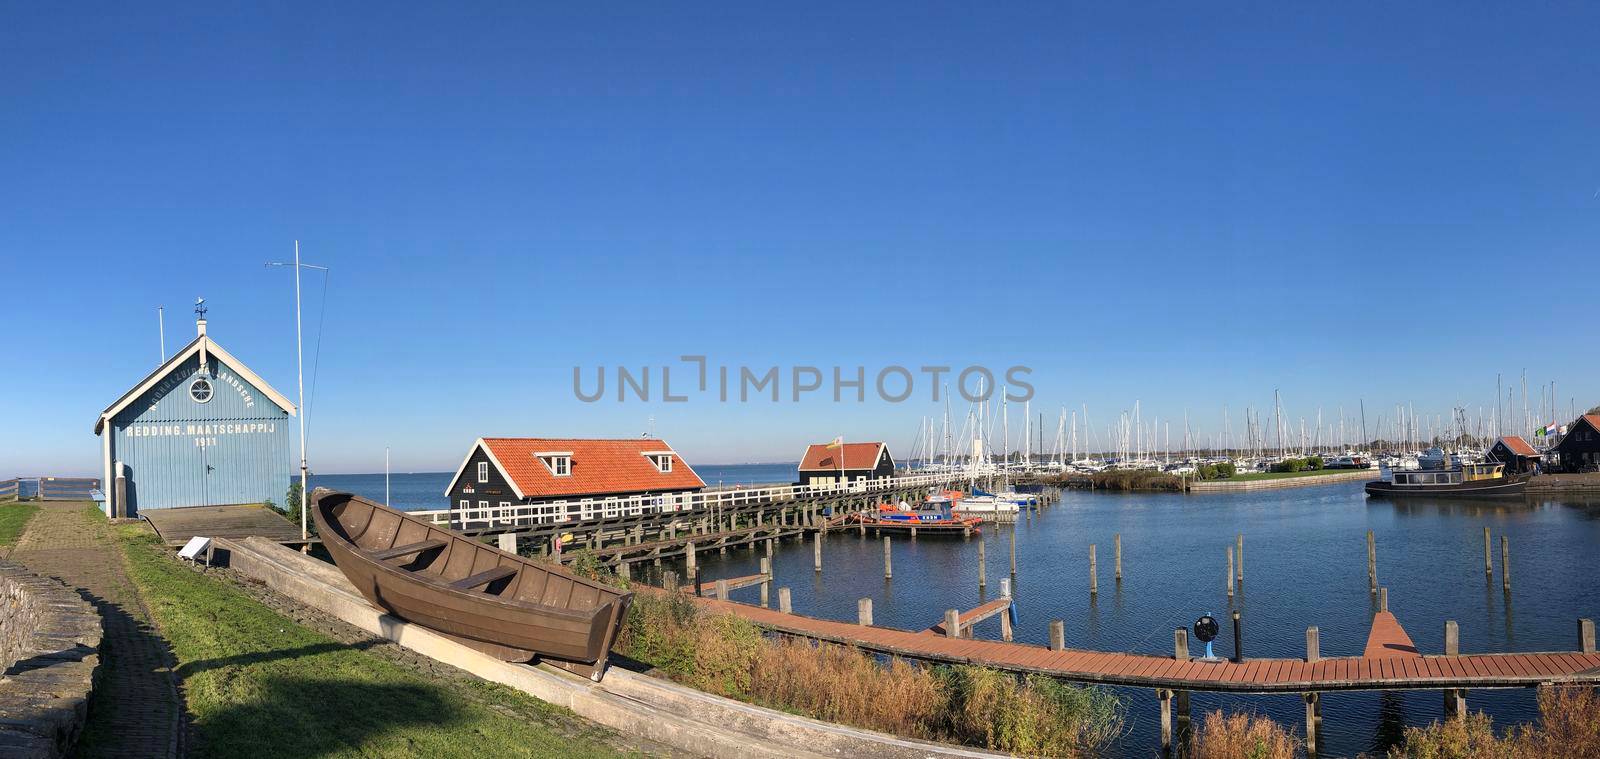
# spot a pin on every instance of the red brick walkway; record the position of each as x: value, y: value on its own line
x: 136, y: 709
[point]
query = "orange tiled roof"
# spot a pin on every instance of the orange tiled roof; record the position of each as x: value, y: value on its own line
x: 599, y: 467
x: 1517, y: 445
x: 856, y: 456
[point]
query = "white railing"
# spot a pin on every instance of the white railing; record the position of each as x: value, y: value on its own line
x: 577, y: 511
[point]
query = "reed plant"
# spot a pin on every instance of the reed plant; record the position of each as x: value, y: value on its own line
x: 1569, y: 726
x: 1243, y: 736
x: 729, y: 656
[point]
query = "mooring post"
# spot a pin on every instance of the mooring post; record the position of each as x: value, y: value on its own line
x: 1452, y: 638
x: 722, y: 590
x: 1230, y: 571
x: 888, y: 570
x: 1313, y: 645
x: 864, y: 612
x: 1238, y: 638
x: 816, y: 551
x: 783, y: 601
x: 768, y: 541
x: 1094, y: 573
x: 1180, y: 644
x: 624, y: 572
x: 1488, y: 563
x: 766, y: 584
x: 1241, y: 561
x: 1166, y: 718
x: 1311, y: 723
x: 1005, y: 616
x: 1383, y: 598
x: 1586, y: 636
x: 669, y: 581
x: 1505, y: 562
x: 1455, y: 703
x: 688, y: 557
x: 1372, y: 564
x: 952, y: 623
x: 1013, y: 551
x: 983, y: 574
x: 1116, y: 543
x: 1058, y: 635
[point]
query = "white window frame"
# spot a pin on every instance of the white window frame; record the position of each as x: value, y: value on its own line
x: 560, y: 465
x: 664, y: 463
x: 483, y: 510
x: 483, y: 472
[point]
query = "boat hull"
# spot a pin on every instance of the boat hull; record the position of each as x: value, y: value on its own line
x: 532, y: 610
x: 1510, y: 488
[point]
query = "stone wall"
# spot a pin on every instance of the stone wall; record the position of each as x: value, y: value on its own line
x: 49, y: 648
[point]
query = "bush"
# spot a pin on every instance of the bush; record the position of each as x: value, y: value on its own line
x: 1206, y: 472
x: 1242, y: 736
x: 1314, y: 462
x: 1226, y: 469
x: 1569, y: 726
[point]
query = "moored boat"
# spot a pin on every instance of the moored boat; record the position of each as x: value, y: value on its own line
x: 1470, y: 481
x: 500, y: 603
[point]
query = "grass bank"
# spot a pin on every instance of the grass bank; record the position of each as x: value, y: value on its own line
x: 1253, y: 476
x: 258, y: 684
x: 1120, y: 480
x: 975, y: 706
x: 14, y: 519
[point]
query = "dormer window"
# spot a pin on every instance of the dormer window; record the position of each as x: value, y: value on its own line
x: 558, y: 462
x: 661, y: 459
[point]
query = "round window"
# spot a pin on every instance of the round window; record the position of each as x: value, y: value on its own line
x: 200, y: 390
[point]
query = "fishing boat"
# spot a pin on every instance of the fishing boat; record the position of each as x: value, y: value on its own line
x: 1470, y: 481
x: 497, y: 602
x: 935, y: 511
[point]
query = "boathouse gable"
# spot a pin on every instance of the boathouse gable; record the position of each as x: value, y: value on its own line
x: 1579, y: 449
x: 1515, y: 452
x: 822, y: 465
x: 493, y: 489
x: 201, y: 430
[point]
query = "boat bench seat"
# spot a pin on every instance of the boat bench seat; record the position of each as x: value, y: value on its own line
x: 407, y: 549
x: 483, y: 578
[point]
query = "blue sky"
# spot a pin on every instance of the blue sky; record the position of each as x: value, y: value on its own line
x: 1185, y: 206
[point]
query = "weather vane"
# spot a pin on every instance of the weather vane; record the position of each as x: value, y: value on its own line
x: 200, y: 307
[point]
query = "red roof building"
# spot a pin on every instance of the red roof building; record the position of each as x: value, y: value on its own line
x: 505, y: 471
x: 822, y: 465
x: 1579, y: 449
x: 1515, y: 453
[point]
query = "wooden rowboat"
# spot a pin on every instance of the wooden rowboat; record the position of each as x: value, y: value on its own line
x: 497, y: 602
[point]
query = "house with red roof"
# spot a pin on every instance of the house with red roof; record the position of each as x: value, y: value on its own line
x: 1515, y: 453
x: 501, y: 472
x: 825, y: 464
x: 1579, y: 449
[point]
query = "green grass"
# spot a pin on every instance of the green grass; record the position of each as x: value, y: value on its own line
x: 1281, y: 475
x: 13, y: 519
x: 258, y: 684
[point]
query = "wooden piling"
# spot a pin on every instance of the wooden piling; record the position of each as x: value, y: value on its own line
x: 1505, y: 563
x: 624, y: 572
x: 1005, y: 616
x: 1180, y: 643
x: 1383, y: 598
x: 722, y: 590
x: 1372, y: 564
x: 1166, y: 719
x: 1313, y: 645
x: 1241, y: 561
x: 952, y: 623
x: 783, y: 601
x: 766, y: 570
x: 888, y: 570
x: 1230, y: 571
x: 1311, y: 723
x: 864, y: 612
x: 688, y: 557
x: 1586, y: 636
x: 1013, y: 551
x: 1116, y: 543
x: 669, y: 580
x: 816, y: 552
x: 1058, y: 635
x: 1488, y: 563
x: 1094, y: 573
x: 983, y: 574
x: 1455, y: 703
x: 1452, y: 638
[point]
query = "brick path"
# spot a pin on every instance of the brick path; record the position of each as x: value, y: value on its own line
x: 136, y: 709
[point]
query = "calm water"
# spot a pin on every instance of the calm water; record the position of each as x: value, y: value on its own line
x: 1305, y: 564
x: 425, y: 490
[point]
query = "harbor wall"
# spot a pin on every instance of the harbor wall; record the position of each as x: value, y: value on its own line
x: 1225, y: 486
x: 49, y: 651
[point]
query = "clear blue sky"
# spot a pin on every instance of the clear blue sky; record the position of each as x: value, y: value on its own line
x: 1184, y: 205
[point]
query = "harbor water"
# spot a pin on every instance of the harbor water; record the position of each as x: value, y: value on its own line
x: 1304, y: 564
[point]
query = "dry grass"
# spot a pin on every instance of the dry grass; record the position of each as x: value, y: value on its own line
x: 728, y: 656
x: 1243, y: 736
x: 1569, y: 726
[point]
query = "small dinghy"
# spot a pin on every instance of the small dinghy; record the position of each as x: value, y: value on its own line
x: 502, y: 604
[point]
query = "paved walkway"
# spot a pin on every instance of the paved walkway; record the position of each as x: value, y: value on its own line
x: 136, y: 710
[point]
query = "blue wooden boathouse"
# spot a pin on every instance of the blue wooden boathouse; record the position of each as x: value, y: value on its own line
x: 201, y: 430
